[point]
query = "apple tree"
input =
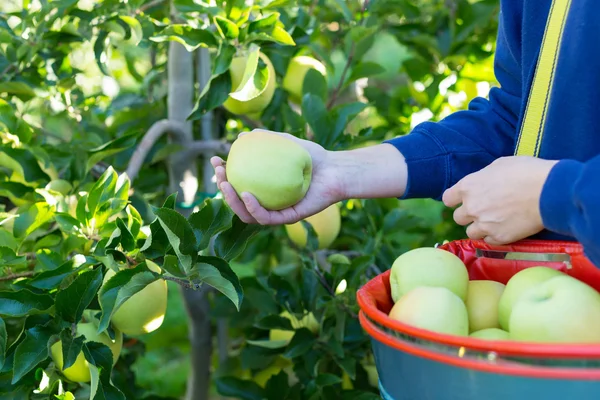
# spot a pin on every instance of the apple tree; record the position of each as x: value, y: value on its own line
x: 123, y: 273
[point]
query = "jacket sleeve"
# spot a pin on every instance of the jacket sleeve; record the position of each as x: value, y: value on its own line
x: 439, y: 154
x: 570, y: 203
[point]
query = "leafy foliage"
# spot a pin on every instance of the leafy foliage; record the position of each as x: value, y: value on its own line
x: 80, y: 84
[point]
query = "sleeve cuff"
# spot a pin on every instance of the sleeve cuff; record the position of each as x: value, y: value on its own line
x: 556, y: 201
x: 427, y: 162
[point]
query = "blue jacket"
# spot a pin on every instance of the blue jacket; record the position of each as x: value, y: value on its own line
x: 469, y: 140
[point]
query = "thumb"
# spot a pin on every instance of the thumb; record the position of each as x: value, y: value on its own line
x: 452, y: 197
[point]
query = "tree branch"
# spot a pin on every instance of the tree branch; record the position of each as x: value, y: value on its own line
x: 156, y: 131
x: 16, y: 275
x: 149, y: 5
x: 340, y: 85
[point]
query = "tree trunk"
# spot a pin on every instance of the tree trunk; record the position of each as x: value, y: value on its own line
x: 184, y: 179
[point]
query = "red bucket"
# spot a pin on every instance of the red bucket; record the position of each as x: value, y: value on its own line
x: 468, y: 368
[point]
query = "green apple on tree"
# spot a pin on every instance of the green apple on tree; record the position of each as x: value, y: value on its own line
x: 296, y: 72
x: 256, y: 105
x: 483, y: 297
x: 561, y: 309
x: 88, y: 327
x: 428, y: 266
x: 144, y: 312
x: 276, y: 170
x: 433, y: 308
x: 327, y: 225
x: 491, y: 334
x: 517, y: 284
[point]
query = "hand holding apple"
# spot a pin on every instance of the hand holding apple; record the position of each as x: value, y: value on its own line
x: 324, y: 190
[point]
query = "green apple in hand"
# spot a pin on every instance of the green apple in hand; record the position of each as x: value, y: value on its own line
x: 518, y: 284
x: 482, y: 304
x: 491, y: 334
x: 434, y: 308
x: 559, y: 310
x: 273, y: 168
x: 428, y: 266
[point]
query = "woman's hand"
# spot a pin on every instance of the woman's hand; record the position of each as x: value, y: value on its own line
x: 325, y: 189
x: 501, y: 202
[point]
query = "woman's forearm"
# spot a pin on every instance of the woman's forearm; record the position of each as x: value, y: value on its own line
x: 372, y: 172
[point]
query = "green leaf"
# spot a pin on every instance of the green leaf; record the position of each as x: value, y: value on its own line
x: 213, y: 95
x: 315, y: 84
x: 227, y: 29
x: 8, y: 258
x: 171, y: 201
x: 343, y: 6
x: 74, y: 299
x: 127, y: 240
x: 187, y: 36
x: 268, y: 344
x: 264, y: 24
x: 68, y: 224
x: 100, y: 52
x: 255, y: 79
x: 238, y: 388
x: 15, y: 190
x: 19, y: 89
x: 180, y: 236
x: 345, y: 114
x: 157, y: 243
x: 217, y: 273
x: 65, y: 396
x: 103, y: 189
x: 24, y: 302
x: 232, y: 242
x: 365, y: 70
x: 274, y: 322
x: 223, y: 59
x: 279, y: 3
x: 327, y: 380
x: 71, y: 347
x: 210, y: 220
x: 121, y: 287
x: 302, y: 341
x: 135, y: 27
x: 111, y: 148
x: 281, y: 36
x: 32, y: 218
x: 100, y: 358
x: 172, y: 265
x: 23, y: 163
x: 3, y: 342
x: 51, y: 279
x: 317, y: 117
x: 348, y: 364
x: 31, y: 351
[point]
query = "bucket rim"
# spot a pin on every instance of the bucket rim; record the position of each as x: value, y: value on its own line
x: 513, y: 368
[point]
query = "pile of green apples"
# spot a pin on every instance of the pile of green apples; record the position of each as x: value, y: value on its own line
x: 431, y: 290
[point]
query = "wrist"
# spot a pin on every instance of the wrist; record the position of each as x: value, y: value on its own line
x: 372, y: 172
